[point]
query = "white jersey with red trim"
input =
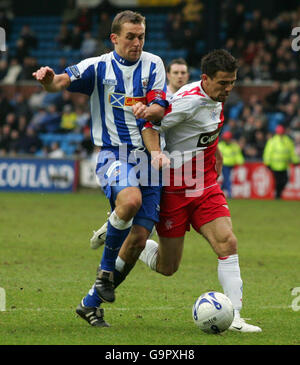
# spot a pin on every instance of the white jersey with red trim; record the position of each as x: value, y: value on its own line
x: 191, y: 127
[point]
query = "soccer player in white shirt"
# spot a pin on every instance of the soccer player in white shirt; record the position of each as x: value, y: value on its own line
x: 192, y: 125
x: 126, y: 88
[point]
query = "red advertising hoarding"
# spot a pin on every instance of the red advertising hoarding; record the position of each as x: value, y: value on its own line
x: 254, y: 180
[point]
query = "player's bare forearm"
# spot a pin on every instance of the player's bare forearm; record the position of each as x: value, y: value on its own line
x: 151, y: 140
x: 50, y: 81
x: 154, y: 112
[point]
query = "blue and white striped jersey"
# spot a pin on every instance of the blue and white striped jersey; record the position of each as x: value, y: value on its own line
x: 114, y: 85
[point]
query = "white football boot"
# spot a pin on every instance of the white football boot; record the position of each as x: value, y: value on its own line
x: 99, y: 236
x: 239, y: 325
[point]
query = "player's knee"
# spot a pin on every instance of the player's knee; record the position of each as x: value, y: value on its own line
x: 230, y: 246
x: 132, y: 205
x: 168, y: 270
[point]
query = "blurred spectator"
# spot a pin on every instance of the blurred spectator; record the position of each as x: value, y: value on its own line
x: 87, y: 145
x: 22, y: 125
x: 84, y: 19
x: 14, y: 142
x: 70, y: 13
x: 36, y: 99
x: 21, y: 51
x: 65, y: 99
x: 82, y: 118
x: 55, y: 151
x: 29, y: 143
x: 5, y: 107
x: 64, y: 37
x: 235, y: 20
x: 104, y: 26
x: 37, y: 118
x: 278, y: 154
x: 3, y: 68
x: 29, y: 37
x: 11, y: 120
x: 76, y: 38
x: 13, y: 72
x: 50, y: 123
x: 5, y: 140
x: 177, y: 32
x: 88, y: 46
x: 29, y: 66
x: 62, y: 64
x: 20, y: 105
x: 232, y: 156
x: 68, y: 119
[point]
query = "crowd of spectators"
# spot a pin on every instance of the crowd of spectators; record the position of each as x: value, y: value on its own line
x: 23, y: 121
x: 262, y: 44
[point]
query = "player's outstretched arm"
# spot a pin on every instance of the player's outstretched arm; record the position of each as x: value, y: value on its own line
x: 50, y: 81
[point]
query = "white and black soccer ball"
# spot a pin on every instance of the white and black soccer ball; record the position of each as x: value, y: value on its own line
x: 213, y: 312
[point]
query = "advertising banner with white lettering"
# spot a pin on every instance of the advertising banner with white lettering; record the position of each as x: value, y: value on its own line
x: 48, y: 175
x: 254, y: 180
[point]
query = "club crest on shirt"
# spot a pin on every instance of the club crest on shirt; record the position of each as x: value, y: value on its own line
x: 118, y: 100
x: 145, y: 82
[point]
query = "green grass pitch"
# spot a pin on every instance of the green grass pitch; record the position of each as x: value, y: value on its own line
x: 47, y: 266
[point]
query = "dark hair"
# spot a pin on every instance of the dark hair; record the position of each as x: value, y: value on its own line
x: 126, y: 16
x: 177, y: 61
x: 218, y: 60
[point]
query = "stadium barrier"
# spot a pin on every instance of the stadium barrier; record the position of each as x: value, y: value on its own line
x: 38, y: 174
x: 254, y: 180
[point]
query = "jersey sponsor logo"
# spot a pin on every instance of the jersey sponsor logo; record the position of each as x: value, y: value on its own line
x: 109, y: 82
x: 118, y: 100
x: 75, y: 71
x: 207, y: 139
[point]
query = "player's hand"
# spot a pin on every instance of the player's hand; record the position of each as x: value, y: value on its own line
x: 159, y: 160
x: 44, y: 75
x: 140, y: 110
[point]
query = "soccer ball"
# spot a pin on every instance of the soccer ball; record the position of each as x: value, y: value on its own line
x: 213, y: 312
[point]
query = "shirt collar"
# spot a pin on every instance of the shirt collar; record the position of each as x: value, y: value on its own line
x: 122, y: 60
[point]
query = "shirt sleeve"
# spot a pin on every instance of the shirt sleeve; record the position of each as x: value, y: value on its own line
x: 177, y: 112
x: 82, y: 77
x: 157, y: 87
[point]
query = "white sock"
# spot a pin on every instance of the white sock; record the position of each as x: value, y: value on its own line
x: 119, y: 223
x: 230, y: 278
x: 149, y: 254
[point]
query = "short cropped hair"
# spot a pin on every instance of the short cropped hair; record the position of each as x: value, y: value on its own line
x: 126, y: 16
x: 218, y: 60
x: 177, y: 61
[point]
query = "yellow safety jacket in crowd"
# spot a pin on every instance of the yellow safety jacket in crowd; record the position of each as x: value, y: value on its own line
x: 232, y: 154
x: 279, y: 152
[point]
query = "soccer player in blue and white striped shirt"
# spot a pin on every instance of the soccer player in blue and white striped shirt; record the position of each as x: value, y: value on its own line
x: 126, y: 88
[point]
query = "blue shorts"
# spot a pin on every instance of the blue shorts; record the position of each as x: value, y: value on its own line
x: 117, y: 170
